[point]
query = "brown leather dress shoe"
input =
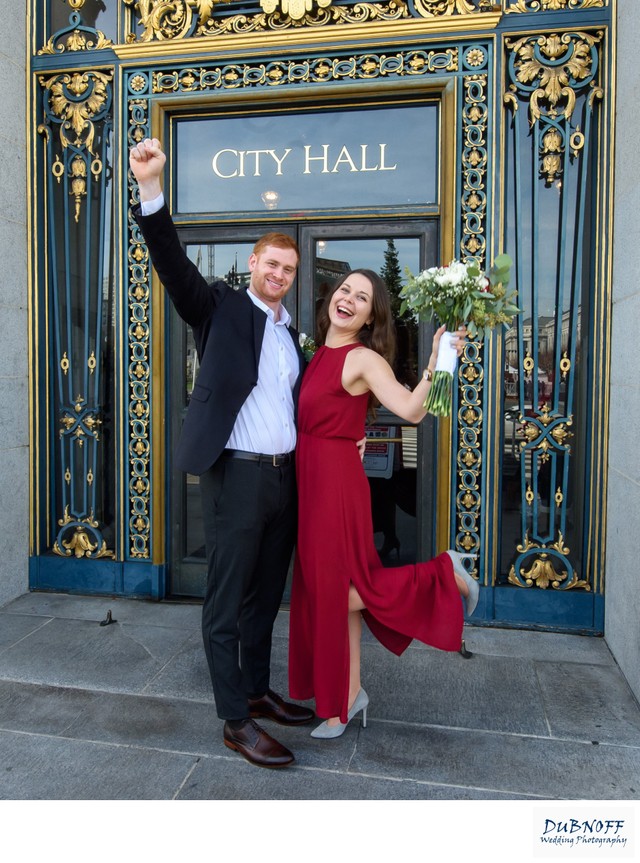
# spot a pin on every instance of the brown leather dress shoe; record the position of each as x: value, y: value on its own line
x: 256, y: 745
x: 272, y: 706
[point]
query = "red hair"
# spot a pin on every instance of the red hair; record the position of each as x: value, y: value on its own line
x: 280, y: 241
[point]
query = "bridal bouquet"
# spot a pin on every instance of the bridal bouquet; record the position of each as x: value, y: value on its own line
x: 455, y: 295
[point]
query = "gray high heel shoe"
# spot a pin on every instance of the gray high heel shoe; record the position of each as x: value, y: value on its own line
x: 326, y: 732
x: 471, y: 600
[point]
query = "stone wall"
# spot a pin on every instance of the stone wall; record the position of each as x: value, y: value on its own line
x: 14, y: 402
x: 622, y: 590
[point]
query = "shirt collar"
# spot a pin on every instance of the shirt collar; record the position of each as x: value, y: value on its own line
x: 285, y: 317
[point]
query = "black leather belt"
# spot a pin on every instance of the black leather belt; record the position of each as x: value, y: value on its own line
x: 279, y: 460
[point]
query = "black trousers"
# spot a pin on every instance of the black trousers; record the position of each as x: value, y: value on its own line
x: 250, y: 515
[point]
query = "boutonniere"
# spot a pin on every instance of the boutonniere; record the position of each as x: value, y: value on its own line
x: 307, y: 345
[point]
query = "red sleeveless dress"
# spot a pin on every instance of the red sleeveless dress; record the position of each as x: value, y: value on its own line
x: 335, y: 547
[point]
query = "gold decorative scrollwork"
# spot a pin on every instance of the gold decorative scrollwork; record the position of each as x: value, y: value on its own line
x: 472, y: 245
x: 80, y: 422
x: 176, y: 19
x: 549, y: 67
x: 432, y: 8
x: 84, y: 541
x: 317, y: 70
x: 76, y: 100
x: 166, y: 19
x: 542, y: 573
x: 552, y: 5
x: 294, y: 9
x: 554, y: 434
x: 75, y: 41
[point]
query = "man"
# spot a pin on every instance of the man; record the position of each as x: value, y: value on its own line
x: 238, y: 436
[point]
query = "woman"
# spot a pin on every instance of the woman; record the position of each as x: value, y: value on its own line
x: 338, y: 576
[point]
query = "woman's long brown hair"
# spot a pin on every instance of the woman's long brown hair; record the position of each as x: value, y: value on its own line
x: 380, y: 334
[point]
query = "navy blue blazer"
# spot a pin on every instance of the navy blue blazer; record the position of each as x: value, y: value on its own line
x: 228, y: 329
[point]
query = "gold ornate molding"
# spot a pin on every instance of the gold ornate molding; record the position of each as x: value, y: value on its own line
x: 317, y: 70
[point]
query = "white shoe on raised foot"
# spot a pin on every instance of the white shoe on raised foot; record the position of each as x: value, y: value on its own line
x: 474, y: 590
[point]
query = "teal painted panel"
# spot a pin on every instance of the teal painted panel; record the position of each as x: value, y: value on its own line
x: 566, y: 611
x: 97, y: 577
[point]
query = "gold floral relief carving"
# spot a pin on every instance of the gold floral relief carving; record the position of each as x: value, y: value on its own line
x: 552, y: 5
x: 76, y: 100
x: 432, y: 8
x: 294, y: 9
x: 75, y: 41
x: 555, y: 72
x: 551, y: 66
x: 84, y: 541
x: 175, y: 19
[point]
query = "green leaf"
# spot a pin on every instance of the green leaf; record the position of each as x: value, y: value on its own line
x: 503, y: 262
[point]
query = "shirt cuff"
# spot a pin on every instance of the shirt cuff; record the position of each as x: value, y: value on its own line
x: 148, y: 208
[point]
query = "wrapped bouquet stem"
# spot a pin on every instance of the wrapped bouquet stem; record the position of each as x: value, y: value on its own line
x: 438, y: 400
x: 459, y: 294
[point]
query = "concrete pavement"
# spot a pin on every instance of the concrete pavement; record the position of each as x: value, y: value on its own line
x: 124, y: 711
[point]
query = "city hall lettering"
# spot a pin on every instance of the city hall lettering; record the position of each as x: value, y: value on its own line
x: 321, y: 159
